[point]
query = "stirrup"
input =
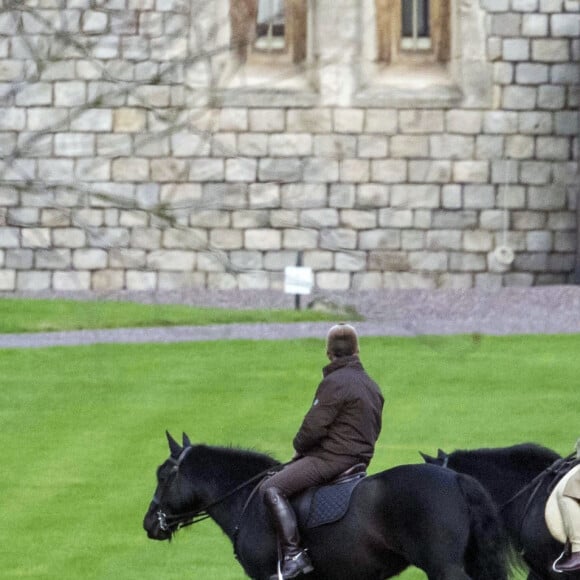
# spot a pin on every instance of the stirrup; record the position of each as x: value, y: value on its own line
x: 557, y: 560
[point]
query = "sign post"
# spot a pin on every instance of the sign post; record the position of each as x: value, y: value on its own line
x: 298, y: 280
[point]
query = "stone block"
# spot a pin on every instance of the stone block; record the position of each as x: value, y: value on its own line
x: 285, y: 170
x: 551, y: 97
x: 34, y: 95
x: 405, y: 146
x: 565, y: 242
x: 506, y: 24
x: 235, y: 120
x: 381, y: 121
x: 221, y: 281
x: 309, y: 121
x: 547, y: 198
x: 241, y: 169
x: 567, y: 74
x: 539, y: 241
x: 266, y: 120
x: 467, y: 262
x: 535, y: 25
x: 467, y: 122
x: 333, y: 280
x: 488, y: 281
x: 387, y: 261
x: 17, y: 259
x: 243, y: 219
x: 89, y: 259
x: 412, y: 239
x: 389, y: 171
x: 290, y: 145
x: 319, y: 218
x: 535, y: 123
x: 528, y: 73
x: 342, y: 195
x: 455, y: 281
x: 451, y: 196
x: 367, y: 281
x: 553, y: 148
x: 354, y: 170
x: 70, y: 94
x: 389, y: 239
x: 36, y: 238
x: 500, y: 122
x: 443, y: 240
x: 264, y: 195
x: 350, y: 261
x: 372, y: 146
x: 567, y: 25
x: 348, y: 120
x: 462, y: 219
x: 320, y: 170
x: 415, y: 196
x: 519, y: 147
x: 338, y: 239
x: 477, y: 241
x: 303, y: 196
x: 535, y: 172
x: 130, y: 169
x: 519, y: 98
x: 395, y: 218
x: 428, y: 261
x: 470, y: 171
x: 550, y: 50
x: 69, y: 237
x: 528, y: 220
x: 372, y: 195
x: 489, y: 147
x: 108, y: 237
x: 358, y: 219
x: 206, y: 169
x: 141, y: 281
x: 12, y: 119
x: 516, y: 49
x: 300, y: 239
x: 170, y: 170
x: 93, y: 121
x: 107, y: 280
x: 7, y: 280
x: 421, y: 121
x: 33, y: 281
x: 452, y: 146
x: 278, y: 260
x: 335, y: 146
x: 525, y: 5
x: 254, y: 281
x: 74, y: 145
x: 404, y: 280
x: 174, y: 260
x: 262, y: 239
x: 568, y: 122
x: 315, y: 259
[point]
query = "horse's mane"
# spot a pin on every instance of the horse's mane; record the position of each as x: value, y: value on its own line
x: 242, y: 463
x: 530, y: 455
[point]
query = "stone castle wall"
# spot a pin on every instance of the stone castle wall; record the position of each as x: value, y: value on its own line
x: 118, y: 172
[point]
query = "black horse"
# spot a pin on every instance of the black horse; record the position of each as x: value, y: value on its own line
x: 439, y: 521
x: 518, y: 479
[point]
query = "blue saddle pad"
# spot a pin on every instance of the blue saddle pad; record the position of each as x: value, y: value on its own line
x: 329, y: 503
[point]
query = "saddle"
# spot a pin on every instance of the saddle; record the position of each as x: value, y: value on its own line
x: 328, y: 503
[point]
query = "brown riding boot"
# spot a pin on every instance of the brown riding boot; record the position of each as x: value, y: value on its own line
x: 568, y: 564
x: 295, y: 560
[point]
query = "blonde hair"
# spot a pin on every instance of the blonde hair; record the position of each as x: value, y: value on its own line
x: 342, y: 340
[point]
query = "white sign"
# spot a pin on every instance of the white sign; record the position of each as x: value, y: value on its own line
x: 298, y: 280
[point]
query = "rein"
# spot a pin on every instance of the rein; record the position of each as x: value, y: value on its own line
x: 189, y: 518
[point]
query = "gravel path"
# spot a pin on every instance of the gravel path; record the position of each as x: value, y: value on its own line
x: 540, y: 310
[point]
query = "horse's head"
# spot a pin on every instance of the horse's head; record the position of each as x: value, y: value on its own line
x: 174, y: 501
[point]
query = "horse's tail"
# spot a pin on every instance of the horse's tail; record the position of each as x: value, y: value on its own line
x: 488, y: 547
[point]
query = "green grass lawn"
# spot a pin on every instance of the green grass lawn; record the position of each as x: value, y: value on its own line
x: 19, y: 315
x: 83, y: 432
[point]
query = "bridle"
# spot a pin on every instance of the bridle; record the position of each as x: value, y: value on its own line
x: 172, y: 523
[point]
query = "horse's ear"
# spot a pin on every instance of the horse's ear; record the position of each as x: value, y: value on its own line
x: 186, y: 441
x: 441, y: 454
x: 427, y: 458
x: 174, y: 446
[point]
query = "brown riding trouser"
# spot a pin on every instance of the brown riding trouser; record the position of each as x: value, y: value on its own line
x: 307, y: 472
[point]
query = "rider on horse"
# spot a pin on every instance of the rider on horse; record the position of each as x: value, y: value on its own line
x: 339, y: 431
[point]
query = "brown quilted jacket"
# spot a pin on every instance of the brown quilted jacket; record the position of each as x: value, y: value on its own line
x: 346, y: 415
